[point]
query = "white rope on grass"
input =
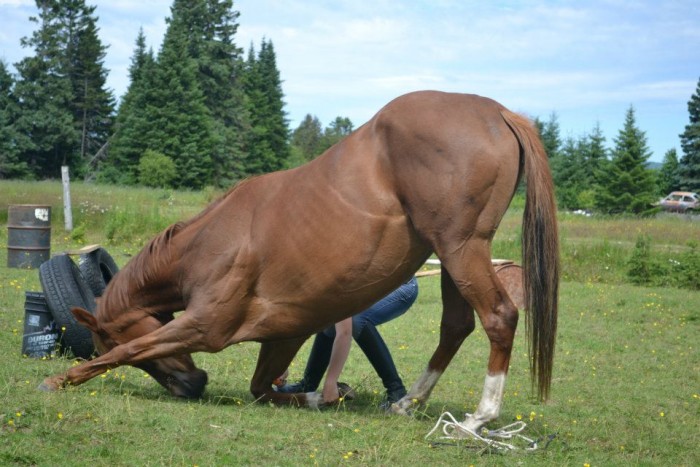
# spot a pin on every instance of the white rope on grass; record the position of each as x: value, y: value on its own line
x: 453, y: 430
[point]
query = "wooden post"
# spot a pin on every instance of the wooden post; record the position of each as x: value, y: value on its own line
x: 67, y: 213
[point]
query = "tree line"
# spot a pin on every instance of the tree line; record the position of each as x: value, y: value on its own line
x: 202, y: 112
x: 592, y: 177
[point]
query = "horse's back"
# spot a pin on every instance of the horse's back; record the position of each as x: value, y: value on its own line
x: 451, y: 156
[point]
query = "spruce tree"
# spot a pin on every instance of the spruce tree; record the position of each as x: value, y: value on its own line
x: 10, y: 164
x: 220, y: 64
x: 179, y: 121
x: 190, y: 104
x: 689, y: 169
x: 627, y: 185
x: 131, y: 139
x: 307, y: 138
x: 570, y: 177
x: 335, y: 131
x: 668, y: 179
x: 549, y: 133
x: 48, y: 136
x: 267, y: 143
x: 596, y: 156
x: 93, y: 104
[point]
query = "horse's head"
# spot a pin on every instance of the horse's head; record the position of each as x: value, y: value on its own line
x: 178, y: 374
x: 103, y: 342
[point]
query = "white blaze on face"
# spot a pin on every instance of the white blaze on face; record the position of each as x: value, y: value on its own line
x: 491, y: 401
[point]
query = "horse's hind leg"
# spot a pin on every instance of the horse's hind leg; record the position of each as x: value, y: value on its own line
x: 456, y: 324
x: 470, y: 267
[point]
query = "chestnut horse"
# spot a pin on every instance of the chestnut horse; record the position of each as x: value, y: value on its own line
x: 284, y: 255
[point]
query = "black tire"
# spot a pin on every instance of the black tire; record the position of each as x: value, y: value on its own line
x: 98, y: 268
x: 64, y: 288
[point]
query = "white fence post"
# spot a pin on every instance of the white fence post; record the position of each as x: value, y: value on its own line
x: 67, y: 213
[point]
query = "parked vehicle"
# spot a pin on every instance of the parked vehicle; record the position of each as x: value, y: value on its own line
x: 680, y: 201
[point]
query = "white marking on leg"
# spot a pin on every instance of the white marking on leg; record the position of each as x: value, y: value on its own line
x: 420, y: 391
x: 314, y: 400
x: 422, y: 388
x: 491, y: 400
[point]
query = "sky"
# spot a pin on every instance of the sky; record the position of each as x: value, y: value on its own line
x: 587, y: 62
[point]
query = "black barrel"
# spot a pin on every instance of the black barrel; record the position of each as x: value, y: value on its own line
x: 28, y: 235
x: 40, y: 330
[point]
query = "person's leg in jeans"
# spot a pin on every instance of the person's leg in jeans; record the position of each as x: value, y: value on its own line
x: 368, y: 339
x: 371, y: 342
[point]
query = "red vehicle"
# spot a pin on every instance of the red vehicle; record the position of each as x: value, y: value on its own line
x: 680, y: 201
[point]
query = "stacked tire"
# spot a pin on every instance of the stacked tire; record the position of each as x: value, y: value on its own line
x: 67, y: 285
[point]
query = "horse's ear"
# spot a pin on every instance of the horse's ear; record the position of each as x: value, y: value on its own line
x: 85, y: 318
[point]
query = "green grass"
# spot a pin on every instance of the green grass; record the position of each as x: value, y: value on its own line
x: 626, y: 387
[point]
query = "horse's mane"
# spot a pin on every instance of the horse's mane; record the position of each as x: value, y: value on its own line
x: 148, y: 263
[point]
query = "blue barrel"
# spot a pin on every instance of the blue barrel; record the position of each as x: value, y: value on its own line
x: 28, y: 235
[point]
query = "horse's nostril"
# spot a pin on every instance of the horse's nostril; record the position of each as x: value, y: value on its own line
x: 188, y: 385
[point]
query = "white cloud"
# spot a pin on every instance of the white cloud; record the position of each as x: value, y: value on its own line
x: 586, y: 60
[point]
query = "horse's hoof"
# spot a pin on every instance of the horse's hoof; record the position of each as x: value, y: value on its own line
x: 47, y: 387
x: 395, y: 409
x: 404, y: 406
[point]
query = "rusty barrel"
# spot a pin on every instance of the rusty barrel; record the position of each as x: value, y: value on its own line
x: 28, y: 235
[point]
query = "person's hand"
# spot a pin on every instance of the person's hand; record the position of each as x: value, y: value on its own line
x: 330, y: 393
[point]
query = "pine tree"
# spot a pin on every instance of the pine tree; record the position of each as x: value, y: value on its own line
x: 627, y: 185
x: 221, y: 65
x: 307, y: 138
x: 596, y: 156
x: 571, y: 174
x: 689, y: 169
x: 190, y: 104
x: 131, y: 139
x: 268, y: 146
x: 179, y: 120
x: 337, y: 130
x: 549, y: 133
x: 63, y: 86
x: 10, y: 164
x: 668, y: 179
x: 48, y: 137
x: 93, y: 104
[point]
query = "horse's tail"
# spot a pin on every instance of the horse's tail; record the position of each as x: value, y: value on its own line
x: 540, y: 250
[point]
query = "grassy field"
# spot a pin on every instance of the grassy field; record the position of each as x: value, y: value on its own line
x: 626, y: 388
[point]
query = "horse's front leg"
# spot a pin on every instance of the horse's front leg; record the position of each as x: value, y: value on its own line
x: 456, y: 324
x: 180, y: 336
x: 274, y: 358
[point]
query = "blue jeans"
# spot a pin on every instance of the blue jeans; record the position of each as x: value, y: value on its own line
x: 390, y: 307
x: 367, y: 337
